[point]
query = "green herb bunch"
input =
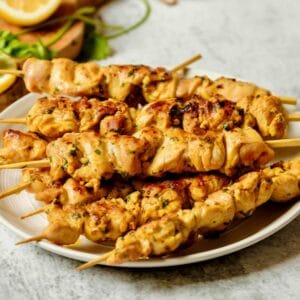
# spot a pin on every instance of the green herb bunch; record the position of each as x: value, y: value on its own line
x: 96, y: 45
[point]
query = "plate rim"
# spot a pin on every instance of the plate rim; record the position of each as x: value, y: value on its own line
x: 292, y: 213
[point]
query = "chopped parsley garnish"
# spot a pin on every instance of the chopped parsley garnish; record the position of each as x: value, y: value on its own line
x: 97, y: 151
x: 165, y: 203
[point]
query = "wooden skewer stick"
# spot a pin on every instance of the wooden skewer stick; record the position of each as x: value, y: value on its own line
x: 27, y: 164
x: 186, y: 63
x: 294, y: 116
x: 18, y: 73
x: 284, y: 143
x: 14, y: 190
x: 288, y: 100
x: 33, y: 213
x: 14, y: 121
x: 94, y: 261
x: 295, y: 142
x: 36, y: 238
x: 284, y: 99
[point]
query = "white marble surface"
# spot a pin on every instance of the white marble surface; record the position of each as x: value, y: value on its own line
x: 258, y: 40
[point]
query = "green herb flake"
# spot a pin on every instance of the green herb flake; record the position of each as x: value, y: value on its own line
x: 76, y: 216
x: 131, y: 72
x: 65, y: 164
x: 98, y: 152
x: 165, y: 203
x: 73, y: 150
x: 226, y: 126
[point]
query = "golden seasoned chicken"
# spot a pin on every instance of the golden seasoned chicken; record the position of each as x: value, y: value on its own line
x: 42, y: 186
x: 62, y: 76
x: 104, y: 116
x: 180, y: 151
x: 65, y: 225
x: 90, y: 158
x: 270, y: 117
x: 162, y: 198
x: 245, y: 148
x: 48, y: 191
x: 20, y: 146
x: 108, y: 219
x: 65, y: 77
x: 53, y: 117
x: 194, y: 115
x: 198, y: 115
x: 163, y: 236
x: 285, y: 176
x: 71, y: 191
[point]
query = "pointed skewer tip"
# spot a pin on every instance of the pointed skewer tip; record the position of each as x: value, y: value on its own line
x: 36, y: 238
x: 94, y: 261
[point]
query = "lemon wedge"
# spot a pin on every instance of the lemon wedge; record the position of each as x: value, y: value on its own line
x: 27, y: 12
x: 7, y: 80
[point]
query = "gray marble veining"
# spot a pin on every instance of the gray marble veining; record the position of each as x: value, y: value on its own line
x: 258, y: 40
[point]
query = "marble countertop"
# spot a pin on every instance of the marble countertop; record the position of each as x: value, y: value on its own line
x: 258, y: 40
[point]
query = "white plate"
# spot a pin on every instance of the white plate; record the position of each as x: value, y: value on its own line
x: 266, y: 220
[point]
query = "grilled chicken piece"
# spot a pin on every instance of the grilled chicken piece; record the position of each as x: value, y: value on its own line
x: 163, y: 236
x: 65, y: 77
x: 271, y: 118
x: 89, y: 158
x: 104, y: 116
x: 162, y: 198
x: 20, y: 146
x: 62, y: 76
x: 53, y: 117
x: 70, y: 192
x: 65, y: 225
x: 42, y: 186
x: 245, y: 148
x: 108, y: 219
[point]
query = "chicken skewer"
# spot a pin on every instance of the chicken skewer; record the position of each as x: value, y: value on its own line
x: 151, y: 152
x: 53, y: 117
x: 90, y: 158
x: 65, y: 77
x: 194, y: 116
x: 108, y: 219
x: 159, y: 237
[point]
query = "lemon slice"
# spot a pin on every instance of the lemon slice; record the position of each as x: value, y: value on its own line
x: 6, y: 80
x: 27, y: 12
